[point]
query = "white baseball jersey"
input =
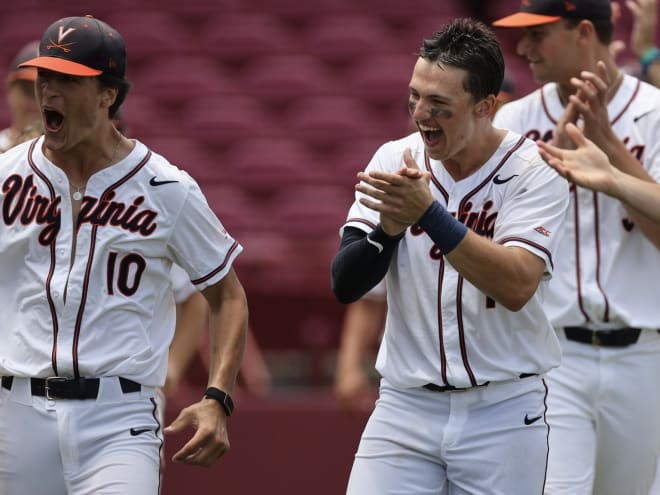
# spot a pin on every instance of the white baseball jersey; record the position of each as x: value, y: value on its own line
x: 600, y: 247
x: 107, y: 310
x: 440, y: 328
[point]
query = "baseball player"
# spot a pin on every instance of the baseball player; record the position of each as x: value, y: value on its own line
x: 461, y: 218
x: 21, y: 102
x: 92, y: 223
x: 604, y: 401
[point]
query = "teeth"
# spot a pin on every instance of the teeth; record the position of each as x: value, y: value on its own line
x: 429, y: 129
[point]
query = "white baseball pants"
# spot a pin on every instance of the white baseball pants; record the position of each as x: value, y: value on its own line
x: 107, y: 446
x: 604, y: 417
x: 491, y: 439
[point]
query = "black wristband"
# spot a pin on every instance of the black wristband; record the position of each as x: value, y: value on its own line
x: 222, y: 397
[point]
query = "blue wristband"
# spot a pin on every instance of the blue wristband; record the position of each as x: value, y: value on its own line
x: 445, y: 231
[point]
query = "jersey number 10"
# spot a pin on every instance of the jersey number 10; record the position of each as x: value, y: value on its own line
x: 129, y: 272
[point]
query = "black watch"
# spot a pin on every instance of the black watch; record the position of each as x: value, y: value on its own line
x: 222, y: 397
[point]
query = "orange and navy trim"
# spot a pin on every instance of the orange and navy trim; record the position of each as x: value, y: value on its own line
x: 222, y: 266
x: 51, y: 271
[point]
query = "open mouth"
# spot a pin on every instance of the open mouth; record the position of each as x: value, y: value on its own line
x: 431, y: 136
x: 53, y: 120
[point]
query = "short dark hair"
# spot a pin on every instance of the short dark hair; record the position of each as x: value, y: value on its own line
x: 122, y: 85
x: 470, y: 45
x: 604, y: 28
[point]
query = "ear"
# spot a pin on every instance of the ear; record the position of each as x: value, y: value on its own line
x: 486, y: 107
x: 586, y: 30
x: 108, y: 97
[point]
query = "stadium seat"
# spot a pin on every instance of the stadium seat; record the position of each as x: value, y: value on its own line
x: 382, y: 79
x: 311, y: 210
x: 144, y: 117
x: 175, y: 80
x: 324, y: 121
x: 150, y: 35
x: 242, y: 37
x: 396, y: 10
x: 20, y: 27
x: 349, y: 157
x: 226, y: 118
x: 344, y: 38
x: 267, y: 165
x: 301, y: 10
x: 236, y: 208
x: 280, y: 78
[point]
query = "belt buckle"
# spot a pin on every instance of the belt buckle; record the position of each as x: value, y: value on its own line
x: 595, y: 339
x: 47, y: 388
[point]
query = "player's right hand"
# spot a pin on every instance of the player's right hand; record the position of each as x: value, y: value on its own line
x: 210, y: 440
x: 354, y: 391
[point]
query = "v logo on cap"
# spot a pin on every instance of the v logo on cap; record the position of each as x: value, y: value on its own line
x: 63, y: 34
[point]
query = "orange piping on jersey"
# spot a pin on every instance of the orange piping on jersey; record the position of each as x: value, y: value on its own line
x: 443, y: 356
x: 639, y: 84
x: 434, y: 179
x: 545, y: 106
x: 578, y: 279
x: 220, y: 268
x: 606, y: 315
x: 461, y: 332
x: 529, y: 243
x: 51, y: 306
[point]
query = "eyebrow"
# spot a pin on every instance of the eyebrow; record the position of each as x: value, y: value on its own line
x: 433, y: 96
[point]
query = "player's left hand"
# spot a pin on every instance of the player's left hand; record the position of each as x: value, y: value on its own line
x: 586, y: 166
x: 210, y: 440
x: 403, y: 196
x: 590, y: 101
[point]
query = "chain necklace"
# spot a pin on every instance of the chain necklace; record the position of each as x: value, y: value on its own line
x: 77, y: 195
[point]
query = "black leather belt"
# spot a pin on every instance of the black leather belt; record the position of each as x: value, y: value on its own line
x: 450, y: 388
x: 60, y: 387
x: 618, y: 337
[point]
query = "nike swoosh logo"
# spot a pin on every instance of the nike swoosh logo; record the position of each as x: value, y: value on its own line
x: 156, y: 183
x: 529, y: 421
x: 497, y: 179
x: 377, y: 245
x: 643, y: 115
x: 139, y: 431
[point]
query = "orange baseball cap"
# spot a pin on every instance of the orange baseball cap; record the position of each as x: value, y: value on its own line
x: 81, y: 46
x: 17, y: 73
x: 537, y: 12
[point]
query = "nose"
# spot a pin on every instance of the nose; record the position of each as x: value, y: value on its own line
x: 419, y: 110
x: 523, y: 45
x: 46, y: 84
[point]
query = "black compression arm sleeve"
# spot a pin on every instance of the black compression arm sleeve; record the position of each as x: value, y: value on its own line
x: 361, y: 262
